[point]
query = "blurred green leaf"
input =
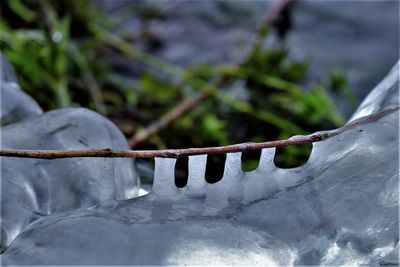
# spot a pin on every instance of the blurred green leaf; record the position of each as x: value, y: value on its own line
x: 215, y: 127
x: 340, y: 84
x: 22, y: 10
x: 158, y: 89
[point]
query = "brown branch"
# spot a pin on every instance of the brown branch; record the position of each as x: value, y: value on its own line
x: 175, y: 153
x: 177, y: 112
x: 188, y: 104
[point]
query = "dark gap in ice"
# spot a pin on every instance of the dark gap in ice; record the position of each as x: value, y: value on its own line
x: 145, y: 168
x: 181, y: 171
x: 292, y: 156
x: 250, y: 160
x: 215, y: 168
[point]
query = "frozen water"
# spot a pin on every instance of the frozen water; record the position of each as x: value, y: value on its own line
x: 327, y: 212
x: 385, y: 94
x: 32, y: 188
x: 340, y: 208
x: 163, y: 184
x: 15, y: 104
x: 196, y: 184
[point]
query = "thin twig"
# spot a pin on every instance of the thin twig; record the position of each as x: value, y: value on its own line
x: 188, y: 104
x: 175, y: 153
x: 177, y: 112
x: 88, y: 79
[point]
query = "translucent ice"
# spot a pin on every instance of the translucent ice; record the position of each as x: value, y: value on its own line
x: 196, y: 181
x: 32, y: 188
x: 163, y: 184
x: 385, y: 94
x: 15, y: 104
x: 340, y: 208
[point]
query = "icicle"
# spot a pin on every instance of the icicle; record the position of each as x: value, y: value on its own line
x: 196, y: 181
x: 233, y: 166
x: 228, y: 188
x: 266, y: 159
x: 260, y: 181
x: 164, y: 175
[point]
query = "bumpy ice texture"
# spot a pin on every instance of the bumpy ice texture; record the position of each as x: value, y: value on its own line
x: 340, y: 208
x: 15, y: 104
x: 33, y: 188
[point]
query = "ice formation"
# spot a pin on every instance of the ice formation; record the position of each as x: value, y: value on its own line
x: 15, y: 104
x: 385, y: 94
x: 33, y: 188
x: 340, y: 208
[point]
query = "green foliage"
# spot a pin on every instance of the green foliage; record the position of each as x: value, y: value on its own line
x: 38, y: 49
x: 340, y: 85
x: 64, y: 53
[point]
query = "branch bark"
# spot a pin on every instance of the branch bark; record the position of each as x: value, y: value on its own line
x: 177, y: 112
x: 188, y: 104
x: 175, y: 153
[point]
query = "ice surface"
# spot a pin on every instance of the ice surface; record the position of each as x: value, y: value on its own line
x: 15, y: 104
x: 32, y: 188
x: 385, y: 94
x: 340, y: 208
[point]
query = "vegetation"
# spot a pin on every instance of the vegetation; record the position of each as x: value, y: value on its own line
x: 68, y: 53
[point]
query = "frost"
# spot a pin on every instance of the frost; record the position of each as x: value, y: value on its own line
x: 340, y: 208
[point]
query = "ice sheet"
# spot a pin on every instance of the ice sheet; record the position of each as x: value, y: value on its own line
x: 340, y: 208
